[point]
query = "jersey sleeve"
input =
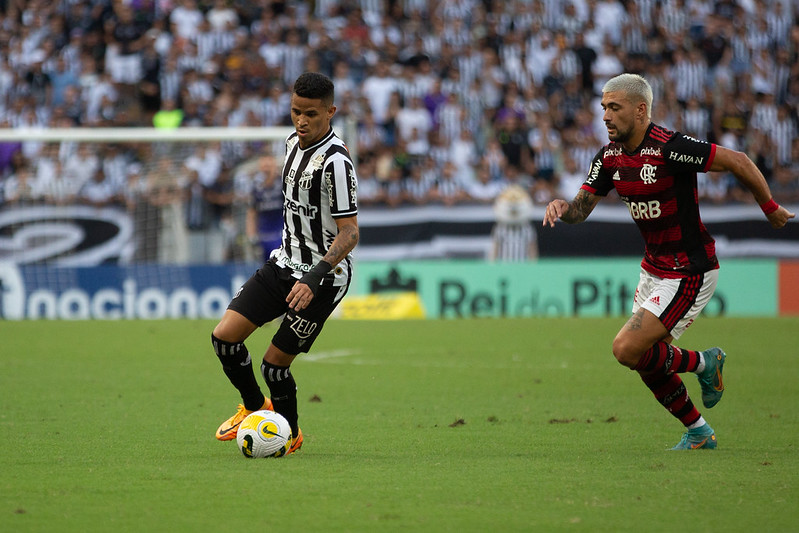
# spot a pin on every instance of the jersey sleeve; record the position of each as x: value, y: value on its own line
x: 342, y: 186
x: 599, y: 181
x: 689, y: 154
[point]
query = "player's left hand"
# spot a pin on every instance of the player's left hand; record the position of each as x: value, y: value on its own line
x: 780, y: 217
x: 300, y: 296
x: 555, y: 210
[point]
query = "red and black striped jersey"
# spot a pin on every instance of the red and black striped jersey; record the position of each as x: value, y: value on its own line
x: 657, y: 182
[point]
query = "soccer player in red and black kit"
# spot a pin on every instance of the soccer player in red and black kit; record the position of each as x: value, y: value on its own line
x: 654, y: 172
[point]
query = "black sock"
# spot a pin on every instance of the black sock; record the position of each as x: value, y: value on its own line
x: 283, y: 390
x: 237, y: 365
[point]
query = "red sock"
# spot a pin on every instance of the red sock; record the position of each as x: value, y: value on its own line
x: 663, y: 357
x: 671, y: 393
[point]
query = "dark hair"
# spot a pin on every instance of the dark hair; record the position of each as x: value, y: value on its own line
x: 316, y: 86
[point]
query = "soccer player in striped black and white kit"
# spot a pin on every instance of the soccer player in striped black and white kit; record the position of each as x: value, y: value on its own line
x: 309, y: 274
x: 654, y: 172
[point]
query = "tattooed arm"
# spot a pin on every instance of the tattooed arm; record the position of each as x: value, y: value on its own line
x: 572, y: 212
x: 344, y: 242
x: 305, y: 288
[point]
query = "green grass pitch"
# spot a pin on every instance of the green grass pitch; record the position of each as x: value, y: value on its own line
x: 457, y: 425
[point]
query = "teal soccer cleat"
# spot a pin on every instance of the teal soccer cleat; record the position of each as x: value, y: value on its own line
x: 710, y: 379
x: 698, y: 438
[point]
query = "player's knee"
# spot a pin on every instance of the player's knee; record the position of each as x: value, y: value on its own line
x: 219, y: 333
x: 625, y: 353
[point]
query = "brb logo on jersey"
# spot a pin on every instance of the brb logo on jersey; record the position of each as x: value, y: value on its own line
x: 644, y: 210
x: 648, y: 174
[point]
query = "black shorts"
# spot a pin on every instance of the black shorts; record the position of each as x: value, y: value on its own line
x: 262, y: 299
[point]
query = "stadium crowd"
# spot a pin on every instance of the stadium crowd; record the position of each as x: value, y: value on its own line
x: 453, y: 100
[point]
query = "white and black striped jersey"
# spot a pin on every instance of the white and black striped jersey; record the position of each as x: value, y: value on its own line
x: 319, y: 186
x: 514, y: 242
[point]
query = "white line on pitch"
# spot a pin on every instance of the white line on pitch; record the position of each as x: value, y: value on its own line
x: 320, y: 356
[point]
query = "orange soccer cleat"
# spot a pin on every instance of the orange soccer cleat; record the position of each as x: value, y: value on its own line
x: 296, y: 443
x: 230, y: 427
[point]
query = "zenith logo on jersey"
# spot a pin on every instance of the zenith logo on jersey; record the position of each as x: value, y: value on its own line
x: 300, y: 209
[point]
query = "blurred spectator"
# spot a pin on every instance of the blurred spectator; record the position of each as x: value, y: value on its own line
x: 413, y: 117
x: 370, y: 190
x: 98, y: 191
x: 449, y: 189
x: 418, y: 188
x: 484, y: 189
x: 124, y: 37
x: 264, y: 225
x: 378, y: 88
x: 785, y: 184
x: 478, y: 94
x: 714, y: 187
x: 81, y: 164
x: 19, y: 189
x: 61, y: 77
x: 185, y: 19
x: 513, y: 237
x: 222, y: 17
x: 545, y: 143
x: 570, y: 179
x: 8, y: 150
x: 512, y: 137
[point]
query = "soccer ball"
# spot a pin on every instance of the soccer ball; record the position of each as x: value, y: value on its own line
x: 264, y: 434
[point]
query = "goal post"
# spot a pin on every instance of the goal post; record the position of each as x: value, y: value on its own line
x: 52, y: 214
x: 126, y: 135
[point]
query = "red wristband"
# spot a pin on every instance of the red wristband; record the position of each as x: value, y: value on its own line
x: 770, y: 206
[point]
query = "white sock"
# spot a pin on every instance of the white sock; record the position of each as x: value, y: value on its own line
x: 698, y: 424
x: 701, y: 367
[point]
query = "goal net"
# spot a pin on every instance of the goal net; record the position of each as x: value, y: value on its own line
x: 86, y: 197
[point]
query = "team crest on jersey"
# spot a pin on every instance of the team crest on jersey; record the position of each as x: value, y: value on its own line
x: 306, y: 178
x: 648, y: 174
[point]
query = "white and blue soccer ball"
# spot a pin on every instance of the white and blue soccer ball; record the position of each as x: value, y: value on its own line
x: 264, y: 434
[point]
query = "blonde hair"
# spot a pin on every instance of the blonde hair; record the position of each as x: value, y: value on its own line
x: 634, y: 86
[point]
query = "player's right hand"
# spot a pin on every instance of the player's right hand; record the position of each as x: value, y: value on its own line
x: 780, y: 217
x: 555, y: 210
